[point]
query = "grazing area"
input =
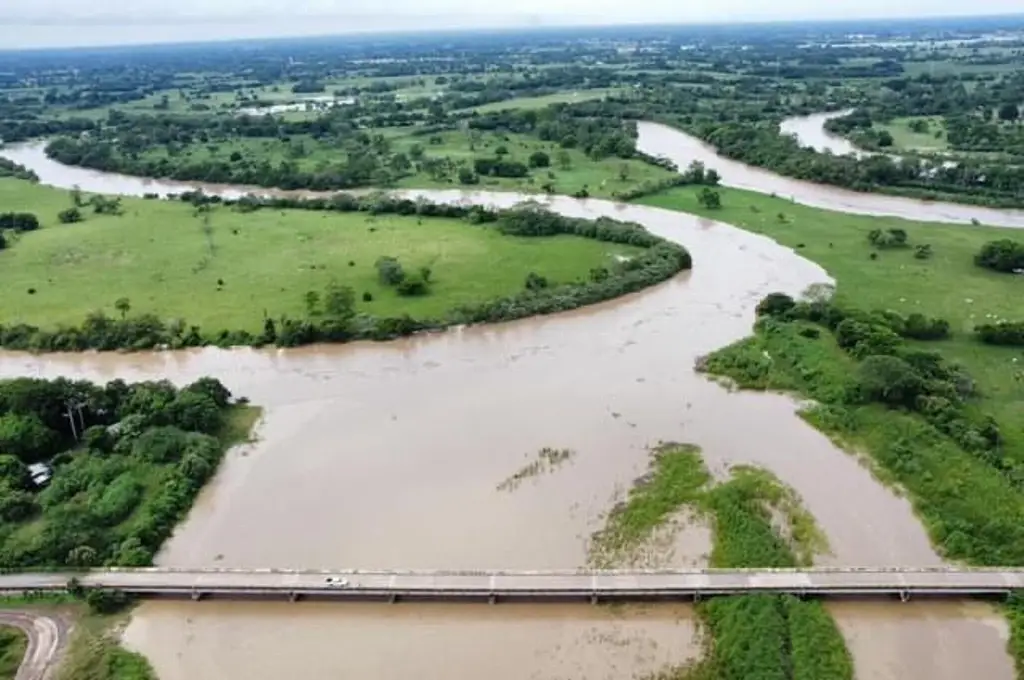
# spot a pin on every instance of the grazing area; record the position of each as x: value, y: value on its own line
x: 234, y: 267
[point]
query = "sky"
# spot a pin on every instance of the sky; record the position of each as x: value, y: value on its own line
x: 58, y: 23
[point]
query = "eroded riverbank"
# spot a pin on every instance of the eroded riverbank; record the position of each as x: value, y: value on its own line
x: 389, y: 456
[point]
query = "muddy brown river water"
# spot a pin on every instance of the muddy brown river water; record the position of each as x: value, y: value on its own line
x: 390, y: 455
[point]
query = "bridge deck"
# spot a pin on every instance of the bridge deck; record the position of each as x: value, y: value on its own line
x: 533, y: 585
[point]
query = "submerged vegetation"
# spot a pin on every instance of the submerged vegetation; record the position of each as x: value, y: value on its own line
x: 750, y: 637
x: 547, y: 460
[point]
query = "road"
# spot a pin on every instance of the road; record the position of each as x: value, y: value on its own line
x: 47, y: 638
x: 534, y: 585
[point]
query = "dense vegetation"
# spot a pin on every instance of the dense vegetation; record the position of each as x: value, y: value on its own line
x: 756, y: 637
x: 334, y: 313
x: 127, y: 460
x: 13, y: 644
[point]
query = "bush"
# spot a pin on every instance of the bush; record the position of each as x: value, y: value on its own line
x: 889, y: 380
x: 709, y: 198
x: 923, y: 251
x: 70, y: 216
x: 539, y: 159
x: 1008, y: 333
x: 1003, y: 255
x: 775, y: 304
x: 890, y: 238
x: 389, y: 271
x: 535, y: 281
x: 413, y: 286
x: 19, y: 221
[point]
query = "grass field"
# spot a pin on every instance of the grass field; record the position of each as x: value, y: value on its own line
x: 157, y: 256
x: 599, y: 177
x: 905, y: 139
x: 948, y: 285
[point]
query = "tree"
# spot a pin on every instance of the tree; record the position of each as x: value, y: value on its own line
x: 623, y: 172
x: 312, y: 300
x: 389, y: 270
x: 889, y: 380
x: 1003, y: 255
x: 564, y: 159
x: 14, y: 473
x: 539, y: 159
x: 709, y: 198
x: 775, y: 304
x: 1008, y: 112
x: 535, y: 281
x: 123, y: 305
x: 339, y: 301
x: 26, y: 437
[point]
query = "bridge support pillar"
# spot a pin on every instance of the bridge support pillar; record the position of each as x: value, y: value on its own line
x: 492, y: 599
x: 904, y: 596
x: 696, y: 597
x: 392, y: 598
x: 593, y: 598
x: 197, y: 595
x: 294, y: 596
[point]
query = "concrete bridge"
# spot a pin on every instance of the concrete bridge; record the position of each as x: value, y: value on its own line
x: 537, y: 586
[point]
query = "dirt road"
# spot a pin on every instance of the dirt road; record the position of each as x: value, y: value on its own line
x: 47, y: 638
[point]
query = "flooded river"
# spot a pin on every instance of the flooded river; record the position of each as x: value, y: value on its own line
x: 391, y: 455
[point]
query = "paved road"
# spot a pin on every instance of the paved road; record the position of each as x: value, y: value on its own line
x: 47, y: 637
x: 463, y: 585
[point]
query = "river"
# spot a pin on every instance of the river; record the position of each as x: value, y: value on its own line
x: 390, y: 455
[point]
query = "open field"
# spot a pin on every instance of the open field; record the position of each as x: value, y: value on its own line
x: 600, y: 178
x: 157, y: 255
x: 905, y: 139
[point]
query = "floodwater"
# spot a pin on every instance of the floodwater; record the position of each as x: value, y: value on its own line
x: 683, y: 149
x: 810, y: 131
x: 390, y: 455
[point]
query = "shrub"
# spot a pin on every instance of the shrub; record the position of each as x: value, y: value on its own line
x: 923, y: 251
x: 890, y: 238
x: 889, y: 380
x: 389, y: 271
x: 1010, y: 333
x: 709, y: 198
x: 19, y: 221
x: 775, y: 304
x: 413, y: 286
x: 535, y: 281
x: 1003, y: 255
x: 539, y: 159
x: 70, y: 216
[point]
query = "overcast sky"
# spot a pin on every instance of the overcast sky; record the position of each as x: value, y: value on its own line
x: 45, y: 23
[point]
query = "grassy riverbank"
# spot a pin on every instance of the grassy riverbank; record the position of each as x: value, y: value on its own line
x: 969, y: 500
x: 95, y: 651
x: 159, y: 256
x: 757, y: 522
x: 948, y: 285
